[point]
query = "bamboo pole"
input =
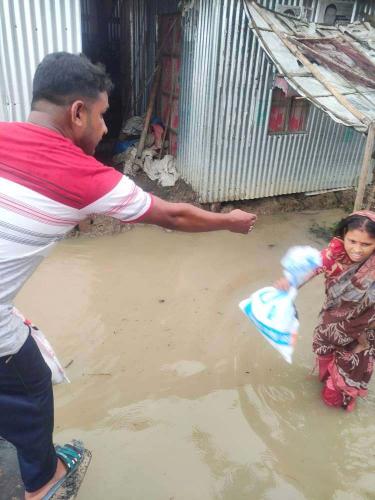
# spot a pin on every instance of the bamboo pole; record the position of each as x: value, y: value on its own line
x: 358, y: 204
x: 170, y: 103
x: 370, y: 199
x: 150, y: 107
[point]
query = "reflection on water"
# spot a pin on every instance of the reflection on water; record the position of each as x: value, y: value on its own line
x: 173, y: 390
x: 185, y: 368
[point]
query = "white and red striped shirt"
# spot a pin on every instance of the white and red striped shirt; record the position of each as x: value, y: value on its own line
x: 47, y: 186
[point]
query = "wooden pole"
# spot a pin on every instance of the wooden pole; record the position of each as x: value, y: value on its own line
x: 170, y: 103
x: 150, y: 107
x: 370, y: 199
x: 365, y: 167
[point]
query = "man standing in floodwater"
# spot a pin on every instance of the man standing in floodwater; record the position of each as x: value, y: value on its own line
x: 49, y: 181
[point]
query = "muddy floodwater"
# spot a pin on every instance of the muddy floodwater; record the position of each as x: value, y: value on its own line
x: 173, y: 390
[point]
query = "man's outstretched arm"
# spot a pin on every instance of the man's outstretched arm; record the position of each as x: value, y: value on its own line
x: 186, y: 217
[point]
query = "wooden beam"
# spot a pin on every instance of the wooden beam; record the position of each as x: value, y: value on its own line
x: 150, y: 107
x: 367, y: 157
x: 341, y: 69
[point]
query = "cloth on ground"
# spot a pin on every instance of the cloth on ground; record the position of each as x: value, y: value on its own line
x: 164, y: 170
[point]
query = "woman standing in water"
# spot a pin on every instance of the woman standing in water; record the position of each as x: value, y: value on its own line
x: 344, y: 340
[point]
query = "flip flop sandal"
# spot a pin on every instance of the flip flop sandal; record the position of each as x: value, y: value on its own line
x: 71, y: 456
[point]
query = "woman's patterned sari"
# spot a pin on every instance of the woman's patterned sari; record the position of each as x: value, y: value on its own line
x: 348, y: 312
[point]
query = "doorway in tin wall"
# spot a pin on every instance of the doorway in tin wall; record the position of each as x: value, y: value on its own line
x: 169, y: 36
x: 100, y: 21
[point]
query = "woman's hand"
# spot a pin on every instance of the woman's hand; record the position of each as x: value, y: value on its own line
x: 282, y: 284
x: 362, y: 343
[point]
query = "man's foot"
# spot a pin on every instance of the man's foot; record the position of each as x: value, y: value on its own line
x: 39, y: 494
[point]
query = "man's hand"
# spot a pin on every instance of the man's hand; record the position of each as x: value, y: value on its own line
x: 241, y: 222
x: 185, y: 217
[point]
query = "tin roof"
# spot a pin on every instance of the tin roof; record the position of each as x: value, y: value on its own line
x: 331, y: 66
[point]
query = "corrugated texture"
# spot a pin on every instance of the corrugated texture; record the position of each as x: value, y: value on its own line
x: 347, y: 63
x: 30, y: 29
x: 225, y: 151
x: 114, y: 23
x: 366, y: 8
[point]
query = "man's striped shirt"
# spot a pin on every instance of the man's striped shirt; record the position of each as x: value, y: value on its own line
x: 47, y: 186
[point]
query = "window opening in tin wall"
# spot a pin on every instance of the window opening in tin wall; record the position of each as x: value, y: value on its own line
x: 289, y: 112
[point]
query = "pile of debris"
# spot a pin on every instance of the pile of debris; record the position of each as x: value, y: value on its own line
x: 150, y: 156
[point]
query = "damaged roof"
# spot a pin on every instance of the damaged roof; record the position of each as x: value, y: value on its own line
x: 331, y: 66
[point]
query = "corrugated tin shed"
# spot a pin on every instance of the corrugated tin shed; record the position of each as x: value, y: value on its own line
x: 226, y: 151
x: 333, y: 67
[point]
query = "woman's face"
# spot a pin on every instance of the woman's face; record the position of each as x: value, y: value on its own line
x: 359, y: 245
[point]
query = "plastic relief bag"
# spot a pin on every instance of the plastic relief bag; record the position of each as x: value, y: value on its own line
x: 299, y: 262
x: 58, y: 375
x: 272, y: 311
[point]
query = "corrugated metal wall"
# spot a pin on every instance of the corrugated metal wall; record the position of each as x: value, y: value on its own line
x: 30, y: 29
x: 226, y: 81
x: 367, y: 7
x: 225, y: 151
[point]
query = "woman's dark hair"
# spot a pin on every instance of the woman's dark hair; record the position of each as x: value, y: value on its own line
x: 355, y: 222
x: 62, y: 77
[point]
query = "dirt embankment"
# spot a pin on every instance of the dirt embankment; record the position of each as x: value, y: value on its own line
x: 182, y: 192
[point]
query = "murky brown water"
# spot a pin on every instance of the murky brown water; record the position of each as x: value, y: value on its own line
x: 173, y: 390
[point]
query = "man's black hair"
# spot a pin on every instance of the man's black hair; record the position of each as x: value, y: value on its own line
x: 62, y: 77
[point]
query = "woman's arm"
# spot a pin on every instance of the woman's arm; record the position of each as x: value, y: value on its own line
x: 283, y: 284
